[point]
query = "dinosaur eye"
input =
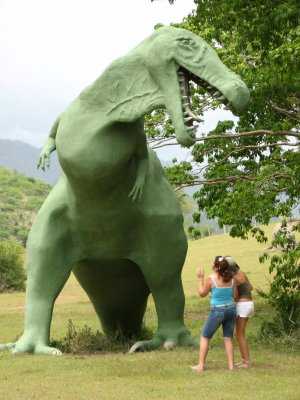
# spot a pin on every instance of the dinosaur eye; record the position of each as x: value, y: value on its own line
x: 185, y: 41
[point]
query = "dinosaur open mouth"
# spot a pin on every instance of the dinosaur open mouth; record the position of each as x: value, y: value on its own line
x: 189, y: 117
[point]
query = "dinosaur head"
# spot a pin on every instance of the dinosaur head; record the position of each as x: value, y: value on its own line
x: 175, y: 56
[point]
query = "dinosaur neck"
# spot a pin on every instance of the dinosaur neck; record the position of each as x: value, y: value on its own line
x: 124, y: 92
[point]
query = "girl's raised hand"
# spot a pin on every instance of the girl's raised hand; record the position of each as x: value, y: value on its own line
x: 200, y: 272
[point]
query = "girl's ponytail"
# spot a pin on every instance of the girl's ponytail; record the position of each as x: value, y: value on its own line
x: 223, y: 269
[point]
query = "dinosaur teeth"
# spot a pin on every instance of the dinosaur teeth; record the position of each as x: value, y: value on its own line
x: 217, y: 93
x: 221, y: 98
x: 188, y: 119
x: 191, y: 128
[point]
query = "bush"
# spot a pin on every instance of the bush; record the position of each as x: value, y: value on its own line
x: 12, y: 273
x: 195, y: 232
x: 284, y: 291
x: 85, y: 341
x: 273, y: 333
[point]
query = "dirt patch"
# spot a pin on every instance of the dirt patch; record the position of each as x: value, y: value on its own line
x: 195, y: 316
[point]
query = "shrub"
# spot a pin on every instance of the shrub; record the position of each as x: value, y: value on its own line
x: 85, y: 341
x: 284, y: 292
x: 273, y: 334
x: 12, y: 273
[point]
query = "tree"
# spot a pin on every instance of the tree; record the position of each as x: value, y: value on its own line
x: 12, y: 273
x: 284, y: 291
x: 257, y: 159
x: 249, y: 171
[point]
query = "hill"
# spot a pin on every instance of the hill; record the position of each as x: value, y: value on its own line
x: 20, y: 199
x: 22, y: 157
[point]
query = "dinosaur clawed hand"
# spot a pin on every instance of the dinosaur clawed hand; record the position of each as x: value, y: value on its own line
x: 44, y: 158
x: 44, y: 161
x: 137, y: 191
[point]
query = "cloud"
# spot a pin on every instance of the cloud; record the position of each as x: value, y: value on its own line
x: 17, y: 133
x: 51, y: 49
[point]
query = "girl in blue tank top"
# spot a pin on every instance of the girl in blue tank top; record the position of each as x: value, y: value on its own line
x: 221, y: 295
x: 223, y: 290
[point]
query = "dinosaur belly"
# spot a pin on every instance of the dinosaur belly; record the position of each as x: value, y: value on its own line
x: 91, y: 152
x: 105, y: 229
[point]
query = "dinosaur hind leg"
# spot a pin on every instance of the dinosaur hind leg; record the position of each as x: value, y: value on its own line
x: 50, y: 256
x: 118, y: 292
x: 161, y: 268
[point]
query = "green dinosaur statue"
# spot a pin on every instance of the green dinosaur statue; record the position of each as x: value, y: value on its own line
x: 112, y: 218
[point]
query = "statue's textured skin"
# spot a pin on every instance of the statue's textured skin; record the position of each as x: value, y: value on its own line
x: 120, y: 249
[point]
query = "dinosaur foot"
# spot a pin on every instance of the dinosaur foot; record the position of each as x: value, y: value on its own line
x: 22, y: 347
x: 168, y: 338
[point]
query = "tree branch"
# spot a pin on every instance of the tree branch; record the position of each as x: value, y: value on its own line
x: 237, y: 149
x: 254, y: 146
x: 155, y: 144
x: 227, y: 179
x: 165, y: 141
x: 287, y: 113
x: 250, y: 133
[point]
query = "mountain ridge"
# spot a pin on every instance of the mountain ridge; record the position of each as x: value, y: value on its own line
x: 23, y: 157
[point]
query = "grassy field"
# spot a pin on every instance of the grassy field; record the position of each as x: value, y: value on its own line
x: 159, y: 374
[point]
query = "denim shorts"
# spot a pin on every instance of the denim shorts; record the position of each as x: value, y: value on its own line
x: 225, y: 316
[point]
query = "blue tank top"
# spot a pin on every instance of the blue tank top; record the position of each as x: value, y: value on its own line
x: 221, y: 295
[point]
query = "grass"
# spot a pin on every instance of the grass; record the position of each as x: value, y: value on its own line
x: 159, y: 374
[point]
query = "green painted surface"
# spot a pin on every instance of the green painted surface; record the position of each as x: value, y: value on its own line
x: 112, y: 217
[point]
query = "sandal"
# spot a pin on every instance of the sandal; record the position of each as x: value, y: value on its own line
x: 243, y: 364
x: 195, y: 368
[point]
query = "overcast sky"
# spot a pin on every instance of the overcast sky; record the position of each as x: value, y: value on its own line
x: 51, y: 49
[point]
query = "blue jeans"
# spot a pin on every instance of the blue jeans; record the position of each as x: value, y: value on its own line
x: 224, y: 316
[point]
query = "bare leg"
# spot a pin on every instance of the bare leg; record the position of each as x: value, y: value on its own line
x: 204, y: 346
x: 241, y: 338
x: 240, y: 335
x: 229, y: 352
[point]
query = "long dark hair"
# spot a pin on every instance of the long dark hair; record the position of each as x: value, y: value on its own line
x: 223, y: 269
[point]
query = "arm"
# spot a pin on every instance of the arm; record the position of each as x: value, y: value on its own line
x: 249, y: 283
x: 141, y: 162
x: 49, y: 146
x: 235, y: 290
x: 241, y: 277
x: 203, y: 288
